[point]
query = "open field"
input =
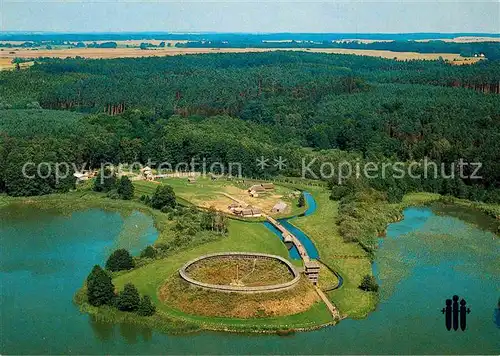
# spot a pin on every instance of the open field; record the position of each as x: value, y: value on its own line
x: 464, y: 39
x: 137, y: 43
x: 207, y: 193
x: 251, y: 272
x: 172, y: 51
x: 6, y: 64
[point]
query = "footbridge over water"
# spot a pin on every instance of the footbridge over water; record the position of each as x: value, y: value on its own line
x: 311, y: 267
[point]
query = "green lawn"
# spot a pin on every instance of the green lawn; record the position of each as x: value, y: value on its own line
x: 243, y: 236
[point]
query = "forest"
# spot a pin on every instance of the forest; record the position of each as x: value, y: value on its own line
x: 491, y: 50
x: 404, y: 42
x: 238, y: 107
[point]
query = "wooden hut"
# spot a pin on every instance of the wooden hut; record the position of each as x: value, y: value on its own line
x: 147, y: 173
x: 267, y: 186
x: 256, y: 188
x: 280, y: 207
x: 234, y: 206
x: 251, y: 211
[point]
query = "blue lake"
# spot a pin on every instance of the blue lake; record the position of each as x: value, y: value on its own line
x: 424, y: 259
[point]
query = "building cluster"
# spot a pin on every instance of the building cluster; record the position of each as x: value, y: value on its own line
x: 245, y: 210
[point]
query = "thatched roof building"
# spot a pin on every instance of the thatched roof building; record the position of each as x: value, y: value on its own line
x: 251, y: 211
x: 257, y: 188
x: 279, y: 207
x: 268, y: 186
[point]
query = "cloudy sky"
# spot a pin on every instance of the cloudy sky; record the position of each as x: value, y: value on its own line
x: 244, y: 16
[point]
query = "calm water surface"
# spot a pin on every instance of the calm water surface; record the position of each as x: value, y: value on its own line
x: 423, y: 260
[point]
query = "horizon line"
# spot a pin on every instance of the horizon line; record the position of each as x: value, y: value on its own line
x: 244, y: 33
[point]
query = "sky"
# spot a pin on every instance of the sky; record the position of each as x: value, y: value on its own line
x: 367, y: 16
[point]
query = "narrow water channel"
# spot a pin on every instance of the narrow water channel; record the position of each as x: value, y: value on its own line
x: 312, y: 251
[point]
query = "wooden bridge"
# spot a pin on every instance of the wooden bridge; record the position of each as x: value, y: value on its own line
x: 311, y: 267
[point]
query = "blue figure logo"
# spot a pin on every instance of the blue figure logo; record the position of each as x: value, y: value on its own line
x: 455, y: 314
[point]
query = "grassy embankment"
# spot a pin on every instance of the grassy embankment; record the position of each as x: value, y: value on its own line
x: 322, y: 229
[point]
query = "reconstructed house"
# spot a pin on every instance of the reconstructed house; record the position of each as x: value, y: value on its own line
x: 267, y: 186
x: 279, y: 207
x: 81, y: 176
x: 234, y: 206
x: 249, y: 211
x: 257, y: 188
x: 147, y: 173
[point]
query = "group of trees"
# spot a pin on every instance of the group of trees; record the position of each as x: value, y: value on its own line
x: 101, y: 291
x: 490, y: 49
x: 192, y: 226
x: 120, y: 260
x: 369, y: 284
x: 302, y: 200
x: 107, y: 182
x: 360, y: 217
x: 163, y: 198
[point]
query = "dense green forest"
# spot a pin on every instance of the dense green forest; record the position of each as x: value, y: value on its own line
x: 238, y: 107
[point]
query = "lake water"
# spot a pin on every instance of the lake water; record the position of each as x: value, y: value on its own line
x: 423, y: 260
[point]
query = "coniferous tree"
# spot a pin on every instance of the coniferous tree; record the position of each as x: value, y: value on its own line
x: 302, y: 200
x: 128, y: 299
x: 120, y: 260
x: 148, y: 252
x: 105, y: 181
x: 100, y: 288
x: 369, y: 284
x: 125, y: 188
x: 146, y: 307
x: 164, y: 196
